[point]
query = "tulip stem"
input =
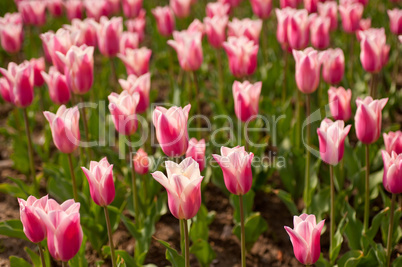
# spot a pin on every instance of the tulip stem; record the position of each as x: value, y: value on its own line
x: 63, y: 264
x: 84, y: 118
x: 134, y: 183
x: 307, y: 174
x: 182, y: 236
x: 332, y: 215
x: 373, y: 85
x: 114, y: 74
x: 109, y: 232
x: 243, y: 233
x: 197, y: 98
x: 187, y: 244
x: 220, y: 73
x: 367, y: 188
x: 42, y: 256
x: 30, y: 150
x: 390, y: 229
x: 298, y: 119
x: 285, y: 70
x: 70, y: 164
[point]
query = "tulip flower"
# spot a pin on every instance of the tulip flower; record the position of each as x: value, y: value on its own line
x: 351, y: 13
x: 109, y: 32
x: 261, y: 8
x: 330, y: 10
x: 55, y: 7
x: 142, y: 85
x: 232, y: 3
x: 165, y: 20
x: 307, y: 70
x: 196, y: 150
x: 64, y: 232
x: 298, y: 29
x: 171, y: 129
x: 74, y: 9
x: 289, y: 3
x: 392, y: 178
x: 34, y: 228
x: 38, y: 65
x: 395, y: 20
x: 57, y: 84
x: 333, y: 62
x: 368, y: 119
x: 181, y: 8
x: 183, y: 185
x: 311, y: 5
x: 374, y: 50
x: 282, y: 30
x: 242, y: 55
x: 13, y: 18
x: 246, y: 99
x: 5, y: 90
x: 339, y: 103
x: 196, y: 26
x: 217, y: 9
x: 128, y: 40
x: 97, y: 8
x: 87, y: 30
x: 245, y: 27
x: 305, y: 237
x: 141, y: 162
x: 137, y: 25
x: 215, y: 29
x: 11, y: 36
x: 319, y: 32
x: 393, y: 142
x: 123, y: 110
x: 33, y: 12
x: 114, y: 6
x: 56, y: 42
x: 136, y: 60
x: 189, y: 49
x: 131, y: 8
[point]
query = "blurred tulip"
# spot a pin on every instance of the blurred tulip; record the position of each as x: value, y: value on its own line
x: 38, y: 65
x: 319, y: 32
x: 181, y: 8
x: 310, y: 5
x: 12, y: 37
x: 246, y: 99
x: 298, y: 29
x: 242, y: 55
x: 351, y: 13
x: 364, y: 24
x: 33, y: 226
x: 196, y: 26
x: 289, y: 3
x: 100, y: 180
x: 330, y: 10
x: 141, y: 162
x: 217, y: 9
x: 307, y: 70
x: 11, y: 18
x: 142, y: 85
x: 57, y: 84
x: 282, y: 30
x: 131, y: 8
x: 87, y: 31
x: 165, y: 20
x: 188, y: 47
x: 55, y: 7
x: 261, y: 8
x: 74, y: 9
x: 339, y: 103
x: 65, y: 128
x: 171, y: 129
x: 392, y: 179
x: 245, y: 27
x: 393, y: 142
x: 97, y: 8
x: 5, y: 90
x: 232, y: 3
x: 305, y: 237
x: 236, y: 167
x: 373, y: 49
x: 108, y: 33
x: 128, y: 40
x: 136, y: 60
x: 395, y: 20
x: 123, y: 109
x: 46, y: 44
x: 137, y: 25
x: 368, y: 119
x: 33, y: 12
x: 333, y: 61
x: 57, y: 42
x: 114, y: 6
x: 215, y: 29
x: 183, y: 185
x: 196, y: 150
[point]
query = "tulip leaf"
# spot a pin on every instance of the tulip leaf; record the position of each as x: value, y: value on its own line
x: 397, y: 262
x: 375, y: 224
x: 18, y: 262
x: 350, y: 258
x: 12, y: 228
x: 338, y: 239
x: 254, y: 226
x: 380, y: 254
x: 287, y: 200
x: 203, y: 252
x: 353, y: 229
x: 35, y: 258
x: 121, y: 257
x: 172, y: 255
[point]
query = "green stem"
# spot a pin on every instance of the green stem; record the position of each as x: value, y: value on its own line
x: 285, y: 71
x: 351, y: 59
x: 373, y: 85
x: 246, y: 147
x: 182, y: 245
x: 82, y: 157
x: 114, y: 74
x: 109, y: 232
x: 30, y: 150
x: 187, y: 244
x: 197, y: 98
x: 144, y: 188
x: 307, y: 174
x: 298, y: 119
x: 64, y: 264
x: 86, y: 129
x: 42, y: 256
x: 332, y: 215
x: 134, y: 183
x: 390, y: 229
x: 264, y: 40
x: 367, y: 189
x: 70, y: 164
x: 243, y: 233
x: 220, y: 73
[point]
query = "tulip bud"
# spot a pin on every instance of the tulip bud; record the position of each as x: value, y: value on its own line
x: 339, y: 103
x: 55, y: 7
x: 109, y: 32
x: 373, y: 49
x: 11, y: 36
x: 311, y: 5
x: 307, y: 70
x: 65, y: 128
x: 245, y: 27
x: 57, y: 84
x: 333, y: 65
x: 131, y: 8
x: 38, y: 65
x: 282, y: 30
x: 181, y: 8
x: 289, y: 3
x: 57, y: 42
x: 330, y: 10
x: 392, y: 179
x: 189, y: 49
x: 128, y: 40
x: 74, y: 9
x: 393, y: 142
x: 196, y: 150
x: 97, y: 8
x: 215, y: 29
x: 141, y: 85
x: 87, y: 30
x: 368, y: 119
x: 246, y: 99
x: 196, y: 26
x: 261, y: 8
x: 5, y: 90
x: 33, y: 12
x: 183, y: 185
x: 319, y: 32
x: 351, y: 13
x: 165, y: 20
x: 141, y: 162
x: 137, y: 25
x: 136, y: 60
x: 34, y: 228
x: 395, y: 20
x: 217, y: 9
x: 114, y: 6
x: 298, y: 29
x: 123, y: 109
x: 305, y: 237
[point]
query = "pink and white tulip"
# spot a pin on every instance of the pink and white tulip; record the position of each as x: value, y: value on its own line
x: 33, y: 226
x: 131, y: 8
x: 5, y: 90
x: 392, y: 179
x: 374, y: 50
x: 261, y: 8
x: 283, y: 16
x: 339, y: 103
x: 215, y: 29
x: 87, y: 30
x: 245, y: 27
x: 165, y: 20
x: 123, y: 108
x: 57, y: 84
x: 311, y: 5
x: 319, y: 32
x: 307, y: 70
x: 196, y: 26
x: 129, y: 40
x: 137, y: 25
x: 33, y: 12
x: 395, y: 20
x: 97, y: 8
x: 38, y: 65
x: 217, y: 9
x: 136, y: 60
x: 141, y: 162
x: 55, y: 7
x: 74, y: 9
x: 141, y: 85
x: 298, y: 29
x: 330, y: 10
x: 351, y: 13
x: 289, y: 3
x: 11, y: 37
x: 109, y: 32
x: 181, y: 8
x: 393, y: 142
x: 333, y: 65
x: 246, y: 99
x: 188, y: 47
x: 196, y: 150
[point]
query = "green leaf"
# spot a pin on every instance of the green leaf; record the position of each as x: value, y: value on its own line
x: 354, y: 229
x: 376, y: 223
x: 12, y: 228
x: 380, y: 254
x: 338, y: 239
x: 397, y: 262
x: 172, y: 255
x: 18, y: 262
x: 350, y: 258
x: 203, y: 252
x: 121, y: 256
x: 248, y: 201
x: 254, y: 226
x: 35, y: 258
x: 287, y: 200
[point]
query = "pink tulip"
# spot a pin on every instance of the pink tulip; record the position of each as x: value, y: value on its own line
x: 368, y: 119
x: 87, y: 31
x: 282, y: 30
x: 38, y: 65
x: 400, y: 39
x: 141, y: 162
x: 74, y: 9
x: 33, y: 12
x: 34, y: 228
x: 131, y: 8
x: 305, y: 237
x: 188, y: 47
x: 351, y: 13
x: 183, y: 185
x: 57, y: 84
x: 236, y: 167
x: 232, y: 3
x: 97, y: 8
x: 196, y: 150
x: 339, y: 103
x: 333, y: 61
x: 289, y: 3
x: 136, y: 60
x: 245, y: 27
x: 395, y: 20
x: 217, y: 9
x: 114, y: 6
x: 55, y: 7
x: 5, y: 90
x: 298, y: 29
x: 65, y: 128
x: 20, y: 80
x: 261, y: 8
x: 64, y: 232
x: 11, y: 18
x: 100, y: 180
x: 137, y: 25
x: 165, y: 20
x: 330, y: 10
x: 11, y: 36
x: 393, y: 142
x: 392, y: 179
x: 128, y: 40
x: 215, y: 29
x: 171, y: 129
x: 307, y: 70
x: 56, y: 42
x: 142, y: 85
x: 373, y: 49
x: 181, y: 8
x: 311, y: 5
x: 246, y: 99
x: 242, y: 55
x: 319, y: 32
x: 109, y: 32
x: 123, y: 109
x: 196, y: 26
